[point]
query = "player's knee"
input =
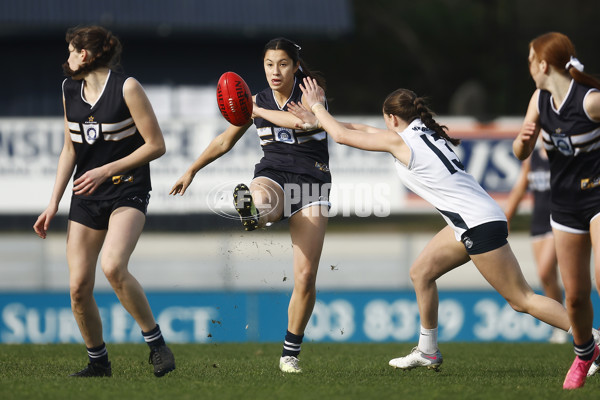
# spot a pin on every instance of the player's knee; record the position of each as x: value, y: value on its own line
x: 113, y: 271
x: 421, y: 272
x: 415, y: 274
x: 577, y: 300
x: 548, y: 277
x: 306, y: 278
x: 81, y: 293
x: 518, y: 307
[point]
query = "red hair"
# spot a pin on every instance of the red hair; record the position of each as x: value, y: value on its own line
x: 557, y: 49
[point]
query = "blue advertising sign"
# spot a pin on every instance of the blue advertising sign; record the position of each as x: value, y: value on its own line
x: 262, y: 317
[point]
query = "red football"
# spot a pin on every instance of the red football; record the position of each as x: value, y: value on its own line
x: 234, y: 99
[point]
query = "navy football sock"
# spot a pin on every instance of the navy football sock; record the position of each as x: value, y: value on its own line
x: 154, y: 337
x: 98, y: 354
x: 586, y: 350
x: 291, y: 344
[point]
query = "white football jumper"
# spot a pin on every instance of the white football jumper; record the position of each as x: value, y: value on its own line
x: 436, y: 174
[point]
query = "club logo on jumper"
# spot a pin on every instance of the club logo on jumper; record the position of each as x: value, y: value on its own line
x: 562, y: 142
x: 467, y: 242
x: 283, y: 135
x: 91, y: 130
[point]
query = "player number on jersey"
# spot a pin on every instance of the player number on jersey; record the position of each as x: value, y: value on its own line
x: 440, y: 148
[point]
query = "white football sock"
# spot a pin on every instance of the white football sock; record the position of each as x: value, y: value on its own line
x: 428, y: 340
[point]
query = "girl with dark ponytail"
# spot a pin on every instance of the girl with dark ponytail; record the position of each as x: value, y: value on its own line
x: 407, y: 105
x: 477, y: 229
x: 291, y: 181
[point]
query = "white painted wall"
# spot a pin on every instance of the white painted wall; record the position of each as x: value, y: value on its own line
x: 259, y: 260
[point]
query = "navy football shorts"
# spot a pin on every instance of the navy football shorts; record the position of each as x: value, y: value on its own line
x: 485, y: 237
x: 95, y: 214
x: 300, y: 190
x: 574, y: 221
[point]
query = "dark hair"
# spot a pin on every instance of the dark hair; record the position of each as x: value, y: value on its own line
x: 406, y: 105
x: 557, y: 49
x: 293, y: 51
x: 105, y: 48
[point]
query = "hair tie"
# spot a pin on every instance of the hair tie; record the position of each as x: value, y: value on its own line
x: 575, y: 63
x: 297, y: 46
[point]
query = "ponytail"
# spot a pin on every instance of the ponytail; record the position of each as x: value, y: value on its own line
x: 426, y: 116
x: 407, y: 106
x: 583, y: 78
x: 559, y: 52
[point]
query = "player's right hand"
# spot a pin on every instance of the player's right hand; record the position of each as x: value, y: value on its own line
x: 181, y: 185
x: 43, y: 222
x: 527, y: 131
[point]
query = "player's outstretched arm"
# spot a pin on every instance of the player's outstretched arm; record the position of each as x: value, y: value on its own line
x: 216, y: 148
x: 371, y: 138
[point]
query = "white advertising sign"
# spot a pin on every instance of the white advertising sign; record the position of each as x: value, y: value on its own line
x: 364, y: 183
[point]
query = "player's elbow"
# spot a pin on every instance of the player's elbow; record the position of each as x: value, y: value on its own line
x: 223, y: 143
x: 162, y: 150
x: 158, y: 149
x: 341, y: 139
x: 337, y: 137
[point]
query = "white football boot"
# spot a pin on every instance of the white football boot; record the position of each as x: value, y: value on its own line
x: 417, y: 358
x: 558, y: 336
x: 289, y: 364
x: 596, y: 364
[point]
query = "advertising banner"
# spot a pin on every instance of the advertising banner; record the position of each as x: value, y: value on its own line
x: 364, y: 183
x: 353, y: 316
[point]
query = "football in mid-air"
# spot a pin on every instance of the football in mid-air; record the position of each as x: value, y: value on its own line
x: 234, y: 99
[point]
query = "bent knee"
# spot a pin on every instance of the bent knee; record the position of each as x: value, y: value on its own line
x: 422, y: 272
x: 114, y: 266
x: 115, y: 273
x: 81, y: 292
x: 549, y: 277
x: 577, y: 301
x: 307, y: 278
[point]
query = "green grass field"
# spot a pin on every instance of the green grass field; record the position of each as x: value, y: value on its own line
x: 331, y: 371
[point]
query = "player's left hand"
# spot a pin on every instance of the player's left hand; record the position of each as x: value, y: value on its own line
x: 87, y: 183
x: 309, y: 120
x: 313, y: 93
